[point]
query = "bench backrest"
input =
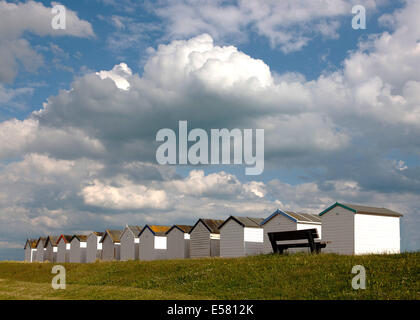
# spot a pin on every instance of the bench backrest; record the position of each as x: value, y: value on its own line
x: 293, y: 235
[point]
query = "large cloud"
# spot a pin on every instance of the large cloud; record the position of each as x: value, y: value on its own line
x: 194, y: 80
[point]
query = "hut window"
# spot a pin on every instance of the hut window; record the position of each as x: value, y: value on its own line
x: 82, y: 244
x: 160, y: 243
x: 68, y: 246
x: 254, y: 235
x: 55, y: 249
x: 186, y: 236
x: 136, y: 240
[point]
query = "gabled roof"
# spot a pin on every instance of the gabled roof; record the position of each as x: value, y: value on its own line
x: 182, y: 228
x: 67, y: 238
x: 135, y: 230
x: 31, y: 243
x: 295, y: 217
x: 211, y: 224
x: 245, y: 222
x: 360, y: 209
x: 96, y: 233
x: 80, y: 237
x: 53, y: 240
x: 42, y: 241
x: 115, y: 235
x: 156, y: 230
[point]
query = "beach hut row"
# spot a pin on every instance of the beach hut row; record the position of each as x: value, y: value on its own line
x: 347, y: 228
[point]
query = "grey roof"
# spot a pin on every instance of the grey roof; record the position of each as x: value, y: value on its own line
x: 361, y: 209
x: 211, y: 224
x: 372, y: 210
x: 304, y: 217
x: 295, y: 216
x: 245, y: 221
x: 135, y: 230
x: 181, y: 227
x: 115, y: 235
x: 96, y: 233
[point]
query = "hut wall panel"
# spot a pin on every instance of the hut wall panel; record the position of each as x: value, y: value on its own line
x: 160, y: 254
x: 136, y: 251
x: 117, y: 252
x: 214, y: 247
x: 127, y: 246
x: 108, y: 250
x: 75, y: 251
x: 187, y: 248
x: 92, y: 252
x: 176, y: 244
x: 83, y: 255
x: 147, y: 242
x: 338, y: 229
x: 232, y: 240
x: 49, y: 254
x: 253, y: 248
x: 62, y: 252
x: 40, y: 252
x: 200, y: 242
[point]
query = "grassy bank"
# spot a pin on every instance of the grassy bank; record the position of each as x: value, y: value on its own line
x: 323, y: 276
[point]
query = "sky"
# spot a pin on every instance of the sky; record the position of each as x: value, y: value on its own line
x: 80, y: 108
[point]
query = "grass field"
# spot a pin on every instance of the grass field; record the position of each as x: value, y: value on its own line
x: 298, y: 276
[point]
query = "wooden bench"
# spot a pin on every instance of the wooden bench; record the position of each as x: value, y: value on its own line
x: 307, y: 234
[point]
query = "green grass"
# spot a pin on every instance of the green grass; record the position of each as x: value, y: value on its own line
x: 299, y: 276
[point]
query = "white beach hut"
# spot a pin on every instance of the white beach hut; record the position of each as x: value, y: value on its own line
x: 241, y: 236
x: 358, y: 229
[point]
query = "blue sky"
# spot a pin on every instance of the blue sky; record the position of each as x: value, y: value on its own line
x: 340, y: 109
